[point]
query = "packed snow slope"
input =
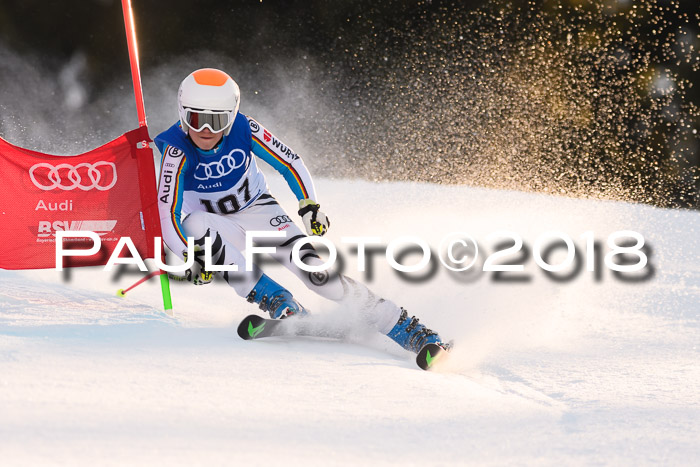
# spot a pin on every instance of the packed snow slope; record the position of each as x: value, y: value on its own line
x: 594, y: 369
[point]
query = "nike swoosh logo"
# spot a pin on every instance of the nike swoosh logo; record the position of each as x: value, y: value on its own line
x: 252, y: 332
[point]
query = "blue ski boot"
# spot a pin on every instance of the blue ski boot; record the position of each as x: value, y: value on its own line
x: 274, y: 299
x: 411, y: 335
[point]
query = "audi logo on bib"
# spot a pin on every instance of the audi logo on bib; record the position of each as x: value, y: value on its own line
x: 218, y: 169
x: 99, y: 176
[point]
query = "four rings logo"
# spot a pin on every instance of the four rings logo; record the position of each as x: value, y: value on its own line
x: 220, y: 168
x: 279, y: 220
x: 99, y: 176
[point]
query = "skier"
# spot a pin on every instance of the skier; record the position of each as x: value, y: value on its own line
x: 210, y: 186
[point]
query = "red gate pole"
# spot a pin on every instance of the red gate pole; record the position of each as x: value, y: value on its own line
x: 141, y: 111
x: 134, y: 60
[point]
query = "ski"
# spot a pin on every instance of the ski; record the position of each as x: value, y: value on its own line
x: 257, y: 327
x: 429, y: 355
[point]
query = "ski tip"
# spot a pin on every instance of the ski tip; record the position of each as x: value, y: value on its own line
x: 429, y: 356
x: 251, y: 326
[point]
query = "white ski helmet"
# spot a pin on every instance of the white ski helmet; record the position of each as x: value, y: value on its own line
x: 208, y: 98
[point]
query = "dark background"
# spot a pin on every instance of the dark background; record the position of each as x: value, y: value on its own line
x: 593, y: 99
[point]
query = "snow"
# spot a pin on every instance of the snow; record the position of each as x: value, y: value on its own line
x: 584, y: 371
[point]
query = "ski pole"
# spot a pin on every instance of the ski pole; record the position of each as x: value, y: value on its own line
x: 122, y: 292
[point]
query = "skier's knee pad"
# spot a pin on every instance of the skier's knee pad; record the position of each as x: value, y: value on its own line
x: 198, y: 224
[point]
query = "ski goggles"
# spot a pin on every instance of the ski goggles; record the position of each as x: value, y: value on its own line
x: 198, y: 120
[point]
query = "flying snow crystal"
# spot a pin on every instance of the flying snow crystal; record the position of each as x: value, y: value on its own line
x: 528, y: 99
x: 575, y: 98
x: 71, y: 83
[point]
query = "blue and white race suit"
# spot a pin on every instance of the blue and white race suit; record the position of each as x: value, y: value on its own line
x: 222, y: 194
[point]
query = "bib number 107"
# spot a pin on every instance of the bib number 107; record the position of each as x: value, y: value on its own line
x: 228, y: 204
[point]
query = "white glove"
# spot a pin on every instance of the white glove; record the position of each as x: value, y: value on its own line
x: 197, y: 274
x: 315, y: 222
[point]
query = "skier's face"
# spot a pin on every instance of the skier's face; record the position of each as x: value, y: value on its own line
x: 205, y: 139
